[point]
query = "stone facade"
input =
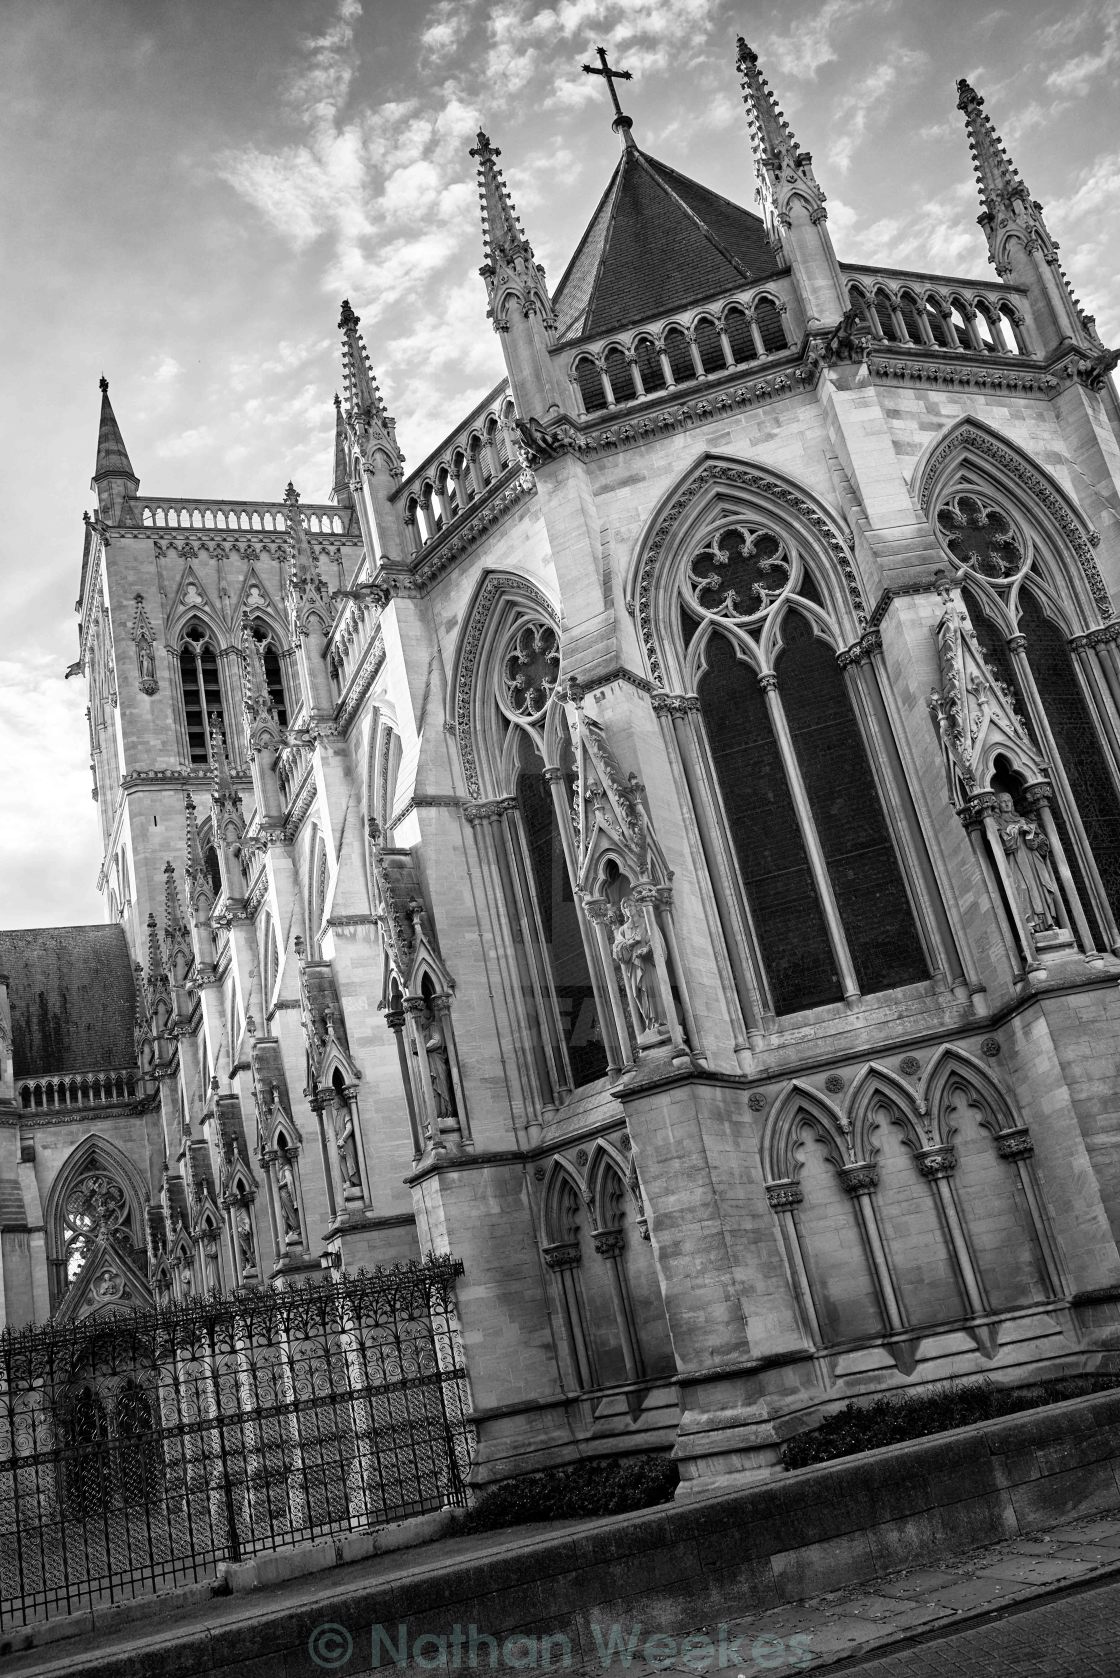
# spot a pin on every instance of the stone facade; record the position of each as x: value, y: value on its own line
x: 665, y: 850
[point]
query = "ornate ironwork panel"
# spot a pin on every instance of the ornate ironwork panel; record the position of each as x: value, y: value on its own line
x: 138, y: 1450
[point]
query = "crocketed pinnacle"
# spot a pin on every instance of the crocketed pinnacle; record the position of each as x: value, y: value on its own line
x: 996, y: 175
x: 503, y: 237
x: 155, y: 954
x: 174, y: 923
x: 340, y: 485
x: 771, y: 135
x: 112, y: 456
x: 194, y: 844
x: 221, y: 786
x: 362, y: 393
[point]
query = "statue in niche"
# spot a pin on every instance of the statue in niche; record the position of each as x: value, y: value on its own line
x: 346, y: 1142
x: 632, y: 948
x: 146, y: 665
x: 210, y: 1264
x: 1028, y: 855
x: 243, y: 1225
x: 286, y: 1194
x: 439, y: 1065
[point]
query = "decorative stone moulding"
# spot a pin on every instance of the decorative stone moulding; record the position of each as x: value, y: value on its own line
x: 860, y: 1178
x: 1015, y: 1144
x: 910, y: 1065
x: 991, y: 1047
x: 940, y: 1161
x: 782, y: 1197
x: 834, y: 1084
x: 756, y: 1102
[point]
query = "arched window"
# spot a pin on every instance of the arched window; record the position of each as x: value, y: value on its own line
x: 202, y: 689
x: 989, y: 332
x: 523, y: 757
x: 911, y: 320
x: 827, y: 900
x: 937, y: 323
x: 649, y: 365
x: 739, y: 335
x: 884, y: 314
x: 708, y: 344
x: 680, y: 356
x: 273, y: 669
x: 591, y: 388
x: 618, y: 372
x: 1012, y: 591
x: 768, y: 319
x: 97, y: 1204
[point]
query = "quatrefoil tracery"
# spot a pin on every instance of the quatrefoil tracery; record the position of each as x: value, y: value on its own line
x: 981, y: 536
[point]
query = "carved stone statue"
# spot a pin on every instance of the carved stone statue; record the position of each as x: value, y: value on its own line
x: 246, y: 1247
x: 347, y: 1144
x: 146, y: 661
x: 439, y: 1066
x: 632, y: 948
x: 289, y: 1201
x: 1028, y: 856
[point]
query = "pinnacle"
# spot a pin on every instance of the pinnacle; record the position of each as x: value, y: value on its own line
x: 502, y: 233
x: 996, y: 175
x: 112, y: 456
x: 771, y: 134
x: 363, y: 395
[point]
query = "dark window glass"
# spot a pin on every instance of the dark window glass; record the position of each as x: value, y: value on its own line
x: 680, y: 356
x: 739, y: 335
x: 769, y: 323
x: 711, y: 350
x: 786, y: 911
x: 618, y: 372
x: 884, y: 314
x: 862, y: 865
x: 202, y: 693
x: 590, y: 383
x: 649, y: 365
x: 560, y: 922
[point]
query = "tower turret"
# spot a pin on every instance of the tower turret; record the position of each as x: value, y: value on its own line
x: 792, y: 201
x: 368, y: 427
x: 113, y: 477
x: 1019, y: 242
x: 519, y: 304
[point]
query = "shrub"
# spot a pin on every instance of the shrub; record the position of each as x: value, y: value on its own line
x: 887, y: 1421
x: 606, y: 1486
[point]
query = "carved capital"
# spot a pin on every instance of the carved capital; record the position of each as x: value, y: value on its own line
x: 784, y: 1196
x: 564, y: 1255
x: 978, y: 807
x: 1015, y: 1144
x: 936, y: 1162
x: 675, y: 704
x: 1016, y: 643
x: 1038, y: 794
x: 768, y: 681
x: 860, y: 1178
x: 608, y: 1242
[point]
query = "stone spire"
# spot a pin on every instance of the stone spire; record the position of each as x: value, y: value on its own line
x: 363, y: 402
x: 519, y: 304
x: 791, y: 198
x: 340, y: 486
x: 1019, y: 243
x: 113, y: 477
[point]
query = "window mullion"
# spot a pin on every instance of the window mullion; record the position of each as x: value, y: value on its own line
x: 558, y: 788
x: 813, y: 851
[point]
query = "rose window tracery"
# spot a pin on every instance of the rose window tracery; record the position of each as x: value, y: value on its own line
x: 980, y: 536
x: 96, y: 1205
x: 741, y: 573
x: 531, y: 669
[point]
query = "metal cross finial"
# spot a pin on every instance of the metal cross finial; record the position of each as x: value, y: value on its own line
x: 603, y: 69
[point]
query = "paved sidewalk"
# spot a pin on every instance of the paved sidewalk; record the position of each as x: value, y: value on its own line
x: 826, y: 1630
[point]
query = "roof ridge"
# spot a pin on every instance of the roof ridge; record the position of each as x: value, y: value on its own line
x: 713, y: 239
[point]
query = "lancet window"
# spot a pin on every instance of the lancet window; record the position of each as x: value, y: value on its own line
x: 525, y: 763
x: 825, y: 892
x: 202, y: 688
x: 1023, y: 604
x: 273, y: 669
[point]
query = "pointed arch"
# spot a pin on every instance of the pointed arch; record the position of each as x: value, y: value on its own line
x: 125, y: 1197
x: 564, y: 1203
x: 722, y: 488
x: 1031, y: 489
x: 950, y: 1064
x: 875, y: 1082
x: 799, y: 1107
x: 494, y: 593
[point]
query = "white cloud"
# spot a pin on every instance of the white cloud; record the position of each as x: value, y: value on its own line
x: 872, y: 100
x: 807, y: 44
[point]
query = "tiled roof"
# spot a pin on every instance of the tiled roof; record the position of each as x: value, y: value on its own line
x: 657, y: 242
x: 72, y: 996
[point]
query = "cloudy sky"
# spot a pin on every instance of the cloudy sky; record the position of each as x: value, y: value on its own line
x: 189, y: 187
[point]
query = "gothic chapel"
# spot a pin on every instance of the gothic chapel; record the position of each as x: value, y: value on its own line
x: 663, y: 850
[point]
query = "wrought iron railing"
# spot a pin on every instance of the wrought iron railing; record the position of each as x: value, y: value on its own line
x: 138, y: 1450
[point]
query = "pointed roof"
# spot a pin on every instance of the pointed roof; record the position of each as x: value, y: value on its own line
x: 658, y: 241
x: 112, y: 456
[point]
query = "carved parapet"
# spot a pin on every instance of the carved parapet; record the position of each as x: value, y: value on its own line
x: 784, y: 1196
x: 1015, y: 1144
x: 860, y: 1178
x: 938, y: 1161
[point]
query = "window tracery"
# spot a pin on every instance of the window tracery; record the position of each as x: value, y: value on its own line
x: 201, y: 688
x: 97, y: 1205
x: 826, y: 896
